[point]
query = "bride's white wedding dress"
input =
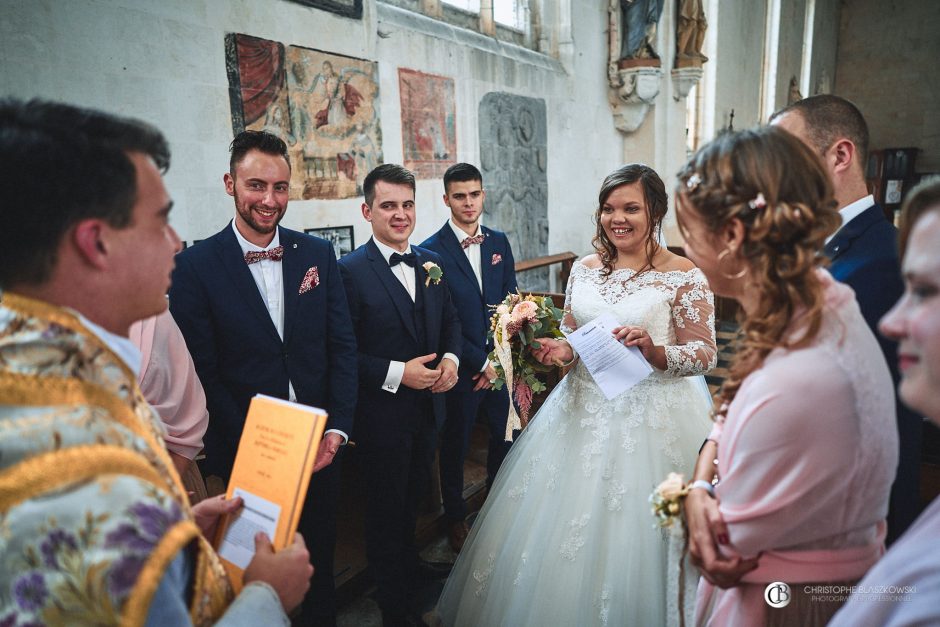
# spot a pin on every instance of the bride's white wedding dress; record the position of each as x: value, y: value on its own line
x: 566, y: 537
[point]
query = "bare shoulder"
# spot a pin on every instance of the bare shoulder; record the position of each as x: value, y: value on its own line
x: 592, y: 261
x: 670, y: 262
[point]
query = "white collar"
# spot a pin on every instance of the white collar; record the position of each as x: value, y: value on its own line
x: 125, y: 349
x: 460, y: 233
x: 852, y: 211
x: 248, y: 247
x: 387, y: 251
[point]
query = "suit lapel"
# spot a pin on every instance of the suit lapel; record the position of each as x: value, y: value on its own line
x: 843, y: 239
x: 488, y: 272
x: 430, y: 296
x: 393, y: 287
x: 452, y: 247
x: 293, y: 273
x: 230, y: 254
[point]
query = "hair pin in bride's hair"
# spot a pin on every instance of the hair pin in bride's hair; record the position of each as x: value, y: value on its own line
x: 758, y: 202
x: 694, y: 181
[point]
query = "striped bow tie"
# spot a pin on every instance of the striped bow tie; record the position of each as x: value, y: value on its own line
x: 470, y: 241
x: 254, y: 256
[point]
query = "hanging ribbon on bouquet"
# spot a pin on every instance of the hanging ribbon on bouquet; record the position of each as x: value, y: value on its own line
x: 504, y: 355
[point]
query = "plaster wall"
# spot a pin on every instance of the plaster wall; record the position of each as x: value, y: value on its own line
x: 887, y: 65
x: 164, y: 62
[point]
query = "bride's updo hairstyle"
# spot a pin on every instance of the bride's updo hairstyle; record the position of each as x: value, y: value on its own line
x: 654, y: 191
x: 777, y: 187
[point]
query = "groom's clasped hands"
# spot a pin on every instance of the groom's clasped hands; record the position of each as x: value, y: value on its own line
x: 418, y: 376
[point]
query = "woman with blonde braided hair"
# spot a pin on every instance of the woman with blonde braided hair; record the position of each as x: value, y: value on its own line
x: 792, y: 485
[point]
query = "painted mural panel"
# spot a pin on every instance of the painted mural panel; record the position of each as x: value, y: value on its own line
x: 428, y: 110
x: 325, y: 106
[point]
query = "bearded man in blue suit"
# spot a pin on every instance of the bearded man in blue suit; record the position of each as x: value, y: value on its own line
x: 408, y: 336
x: 263, y: 311
x: 482, y: 271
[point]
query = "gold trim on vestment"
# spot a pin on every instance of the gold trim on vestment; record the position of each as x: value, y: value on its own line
x: 216, y: 592
x: 41, y: 391
x: 62, y: 317
x: 137, y: 606
x: 48, y: 471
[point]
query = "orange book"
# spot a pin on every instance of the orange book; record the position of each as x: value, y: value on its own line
x: 271, y: 473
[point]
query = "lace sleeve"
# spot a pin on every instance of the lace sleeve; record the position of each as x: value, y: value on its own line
x: 568, y: 323
x: 693, y: 315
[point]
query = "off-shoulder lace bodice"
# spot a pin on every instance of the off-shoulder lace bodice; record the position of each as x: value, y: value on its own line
x: 676, y: 308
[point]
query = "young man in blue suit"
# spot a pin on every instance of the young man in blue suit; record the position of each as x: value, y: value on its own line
x: 864, y: 254
x: 263, y: 311
x: 481, y: 272
x: 408, y: 335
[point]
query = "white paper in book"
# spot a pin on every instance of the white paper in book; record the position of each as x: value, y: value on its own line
x: 257, y: 514
x: 615, y: 368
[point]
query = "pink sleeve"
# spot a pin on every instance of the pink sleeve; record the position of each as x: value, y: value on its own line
x: 170, y: 385
x: 788, y: 450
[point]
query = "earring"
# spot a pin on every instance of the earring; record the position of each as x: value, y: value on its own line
x: 730, y: 277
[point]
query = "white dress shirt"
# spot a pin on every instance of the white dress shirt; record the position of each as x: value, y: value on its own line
x: 472, y: 252
x: 269, y: 277
x: 852, y: 211
x: 406, y: 276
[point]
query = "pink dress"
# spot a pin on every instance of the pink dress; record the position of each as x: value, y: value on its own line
x: 169, y: 383
x: 806, y: 457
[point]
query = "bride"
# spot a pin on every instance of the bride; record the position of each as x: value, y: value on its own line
x: 566, y: 536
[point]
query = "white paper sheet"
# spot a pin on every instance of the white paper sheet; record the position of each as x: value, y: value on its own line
x: 616, y: 368
x: 257, y: 514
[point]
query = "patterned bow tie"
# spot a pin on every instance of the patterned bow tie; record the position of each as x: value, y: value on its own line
x: 408, y: 259
x: 470, y: 241
x: 254, y: 256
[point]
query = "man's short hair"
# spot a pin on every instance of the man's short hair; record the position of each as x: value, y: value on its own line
x: 387, y: 173
x: 459, y: 173
x: 262, y: 141
x: 829, y: 118
x: 69, y: 164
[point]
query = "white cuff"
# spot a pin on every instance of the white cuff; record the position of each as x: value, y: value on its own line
x: 396, y: 370
x: 705, y: 485
x: 342, y: 434
x: 451, y: 357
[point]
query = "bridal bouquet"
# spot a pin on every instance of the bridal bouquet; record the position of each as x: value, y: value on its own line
x: 516, y: 326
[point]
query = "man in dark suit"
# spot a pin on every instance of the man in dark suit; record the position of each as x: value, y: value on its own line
x: 408, y: 335
x: 481, y: 271
x: 263, y: 311
x: 864, y: 255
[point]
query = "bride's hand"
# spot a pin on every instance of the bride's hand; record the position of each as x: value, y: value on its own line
x: 635, y: 336
x: 552, y: 352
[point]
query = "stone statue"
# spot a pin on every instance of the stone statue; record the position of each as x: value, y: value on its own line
x: 793, y: 94
x: 690, y: 33
x: 638, y: 28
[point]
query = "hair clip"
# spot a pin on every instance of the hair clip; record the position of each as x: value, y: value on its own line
x: 693, y: 182
x: 758, y: 202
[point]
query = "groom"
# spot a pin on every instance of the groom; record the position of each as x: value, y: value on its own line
x: 408, y: 336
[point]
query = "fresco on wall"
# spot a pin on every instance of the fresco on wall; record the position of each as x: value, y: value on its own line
x: 348, y: 8
x: 429, y: 138
x: 322, y: 104
x: 513, y: 161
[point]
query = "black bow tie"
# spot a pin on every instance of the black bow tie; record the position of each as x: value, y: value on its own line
x: 407, y: 258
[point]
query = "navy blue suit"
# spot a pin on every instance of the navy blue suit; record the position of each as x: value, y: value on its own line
x: 864, y: 255
x: 395, y: 432
x: 238, y: 353
x: 497, y: 270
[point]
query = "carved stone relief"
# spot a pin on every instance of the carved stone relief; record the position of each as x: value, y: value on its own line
x: 513, y: 160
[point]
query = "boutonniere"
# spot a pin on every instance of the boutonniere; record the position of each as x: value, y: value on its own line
x: 311, y: 280
x: 497, y: 258
x: 434, y: 273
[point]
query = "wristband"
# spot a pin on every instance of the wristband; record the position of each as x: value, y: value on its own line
x: 705, y: 485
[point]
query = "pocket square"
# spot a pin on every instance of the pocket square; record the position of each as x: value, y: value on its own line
x: 311, y: 280
x: 496, y: 259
